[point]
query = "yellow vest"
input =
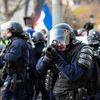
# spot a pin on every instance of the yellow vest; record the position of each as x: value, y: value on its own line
x: 5, y: 42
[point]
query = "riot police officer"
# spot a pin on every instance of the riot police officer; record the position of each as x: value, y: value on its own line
x: 94, y: 41
x: 2, y: 47
x: 31, y: 74
x: 39, y: 44
x: 88, y: 26
x: 16, y: 58
x: 73, y: 61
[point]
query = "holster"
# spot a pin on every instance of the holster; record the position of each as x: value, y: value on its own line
x: 77, y: 94
x: 82, y: 93
x: 10, y: 84
x: 72, y: 95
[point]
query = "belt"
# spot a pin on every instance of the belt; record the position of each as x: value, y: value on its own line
x: 17, y: 81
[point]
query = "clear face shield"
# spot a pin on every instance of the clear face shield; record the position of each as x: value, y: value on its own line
x: 4, y: 30
x: 60, y: 37
x: 3, y: 34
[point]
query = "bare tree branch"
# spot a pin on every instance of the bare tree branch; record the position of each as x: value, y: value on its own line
x: 26, y: 7
x: 38, y: 6
x: 6, y: 6
x: 18, y: 6
x: 7, y: 13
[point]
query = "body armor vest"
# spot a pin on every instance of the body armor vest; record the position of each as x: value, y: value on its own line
x: 62, y: 84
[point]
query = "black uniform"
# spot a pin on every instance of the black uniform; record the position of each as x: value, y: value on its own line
x: 94, y: 42
x: 16, y: 58
x: 73, y: 64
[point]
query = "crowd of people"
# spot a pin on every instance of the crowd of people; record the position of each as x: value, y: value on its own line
x: 49, y: 66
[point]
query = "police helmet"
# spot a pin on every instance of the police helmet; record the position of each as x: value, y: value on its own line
x: 13, y: 27
x: 88, y: 26
x: 93, y: 37
x: 61, y: 32
x: 29, y: 30
x: 27, y: 36
x: 37, y: 37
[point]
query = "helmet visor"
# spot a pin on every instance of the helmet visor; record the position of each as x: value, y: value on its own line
x: 59, y: 35
x: 3, y: 34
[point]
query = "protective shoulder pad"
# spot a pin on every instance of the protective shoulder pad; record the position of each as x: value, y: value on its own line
x: 85, y: 57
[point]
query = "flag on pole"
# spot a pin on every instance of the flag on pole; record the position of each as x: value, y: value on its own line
x: 45, y: 20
